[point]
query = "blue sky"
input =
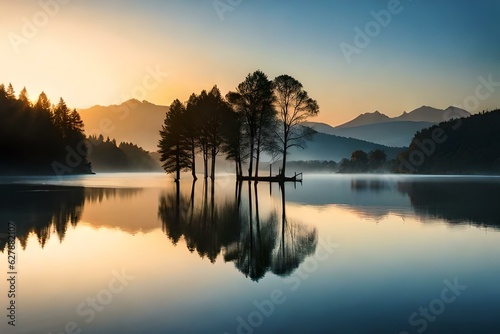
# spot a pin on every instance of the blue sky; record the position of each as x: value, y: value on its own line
x: 430, y: 53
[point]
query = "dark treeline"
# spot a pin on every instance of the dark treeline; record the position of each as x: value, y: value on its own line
x: 362, y: 162
x: 48, y: 211
x: 460, y: 146
x: 38, y: 138
x: 108, y: 156
x: 260, y: 116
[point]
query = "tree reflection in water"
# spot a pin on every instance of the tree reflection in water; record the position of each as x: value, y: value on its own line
x: 255, y: 242
x: 45, y: 209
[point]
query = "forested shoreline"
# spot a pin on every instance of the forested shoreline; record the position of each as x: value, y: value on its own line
x: 260, y: 117
x: 40, y: 138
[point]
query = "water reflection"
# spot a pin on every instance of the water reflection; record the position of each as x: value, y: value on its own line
x: 44, y: 209
x: 296, y: 242
x: 375, y: 185
x: 206, y: 227
x: 256, y: 241
x: 456, y: 201
x: 99, y: 195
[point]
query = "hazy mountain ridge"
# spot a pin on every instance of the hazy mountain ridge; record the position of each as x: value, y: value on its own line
x: 330, y: 147
x: 432, y: 115
x: 421, y: 114
x: 395, y: 132
x: 132, y: 121
x: 365, y: 119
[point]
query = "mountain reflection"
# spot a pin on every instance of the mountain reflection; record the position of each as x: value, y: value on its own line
x: 463, y: 201
x: 256, y: 242
x: 44, y: 209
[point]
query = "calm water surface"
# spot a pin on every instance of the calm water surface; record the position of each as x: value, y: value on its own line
x: 129, y: 253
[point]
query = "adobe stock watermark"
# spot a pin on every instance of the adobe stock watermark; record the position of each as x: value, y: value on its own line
x: 223, y: 6
x: 436, y: 307
x: 74, y: 156
x: 88, y: 309
x: 11, y: 273
x: 32, y: 26
x: 484, y: 90
x: 372, y: 29
x: 265, y: 308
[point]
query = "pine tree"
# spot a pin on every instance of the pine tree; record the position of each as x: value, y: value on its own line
x: 174, y: 146
x: 61, y: 118
x: 10, y: 93
x: 192, y: 125
x: 24, y: 98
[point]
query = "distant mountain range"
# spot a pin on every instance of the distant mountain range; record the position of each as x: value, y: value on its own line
x: 396, y: 131
x: 331, y: 147
x: 132, y: 121
x: 139, y: 122
x: 366, y: 119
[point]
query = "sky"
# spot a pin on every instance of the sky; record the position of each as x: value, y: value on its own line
x: 351, y: 56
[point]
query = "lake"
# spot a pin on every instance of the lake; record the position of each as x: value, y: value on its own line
x: 136, y: 253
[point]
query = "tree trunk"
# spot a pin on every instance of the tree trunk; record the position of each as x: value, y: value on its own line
x: 214, y: 156
x: 257, y: 156
x: 283, y: 168
x: 205, y: 162
x: 240, y: 167
x: 285, y: 144
x: 252, y: 146
x: 193, y: 162
x: 177, y: 165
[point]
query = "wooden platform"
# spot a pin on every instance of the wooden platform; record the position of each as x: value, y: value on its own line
x: 277, y: 178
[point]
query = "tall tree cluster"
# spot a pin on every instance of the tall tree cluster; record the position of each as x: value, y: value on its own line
x: 261, y: 115
x: 34, y: 137
x: 254, y: 100
x: 196, y: 127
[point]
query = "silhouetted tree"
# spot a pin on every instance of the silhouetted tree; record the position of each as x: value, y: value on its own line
x: 294, y: 107
x: 359, y: 161
x: 35, y: 138
x: 173, y: 145
x: 10, y: 93
x: 202, y: 130
x: 254, y: 100
x: 192, y: 125
x: 24, y: 98
x: 218, y: 111
x: 376, y: 159
x: 61, y: 117
x: 234, y: 146
x: 207, y: 117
